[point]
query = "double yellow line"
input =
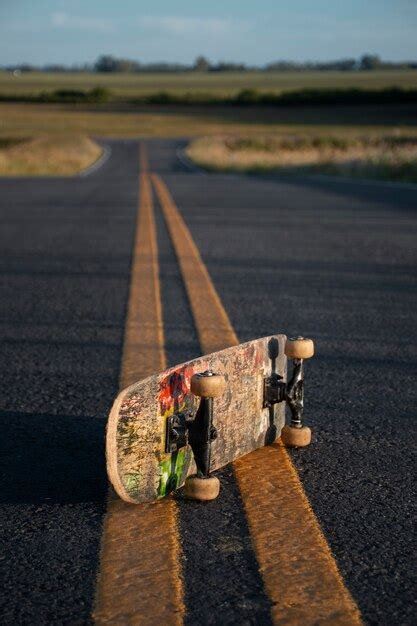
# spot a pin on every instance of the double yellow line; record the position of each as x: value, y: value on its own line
x: 140, y: 578
x: 139, y: 581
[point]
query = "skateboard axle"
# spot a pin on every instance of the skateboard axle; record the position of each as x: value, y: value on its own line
x: 176, y: 432
x: 201, y: 433
x: 196, y: 429
x: 276, y: 390
x: 294, y: 395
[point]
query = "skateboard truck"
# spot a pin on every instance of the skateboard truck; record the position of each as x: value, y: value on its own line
x: 177, y: 431
x: 199, y: 432
x: 292, y: 392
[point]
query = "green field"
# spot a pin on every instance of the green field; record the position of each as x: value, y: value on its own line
x: 222, y: 84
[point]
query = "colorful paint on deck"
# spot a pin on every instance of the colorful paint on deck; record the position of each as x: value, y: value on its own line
x: 139, y: 579
x: 299, y: 572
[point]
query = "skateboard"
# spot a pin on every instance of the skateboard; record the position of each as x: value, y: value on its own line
x: 176, y: 427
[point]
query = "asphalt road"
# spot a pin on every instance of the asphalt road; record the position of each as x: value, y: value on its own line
x: 333, y: 260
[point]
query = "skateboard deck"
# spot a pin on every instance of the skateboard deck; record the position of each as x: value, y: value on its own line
x: 138, y: 464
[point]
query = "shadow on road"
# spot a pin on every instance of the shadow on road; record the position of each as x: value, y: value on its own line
x: 51, y: 458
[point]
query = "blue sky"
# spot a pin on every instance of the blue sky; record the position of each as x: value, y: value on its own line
x: 254, y: 31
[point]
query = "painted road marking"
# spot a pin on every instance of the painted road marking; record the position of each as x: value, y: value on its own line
x: 299, y: 572
x: 213, y: 326
x: 143, y: 349
x: 139, y: 580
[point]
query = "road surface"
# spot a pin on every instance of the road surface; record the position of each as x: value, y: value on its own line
x: 332, y: 260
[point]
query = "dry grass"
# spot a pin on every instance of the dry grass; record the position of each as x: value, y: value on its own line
x: 63, y: 155
x: 388, y: 156
x: 54, y: 120
x: 31, y: 120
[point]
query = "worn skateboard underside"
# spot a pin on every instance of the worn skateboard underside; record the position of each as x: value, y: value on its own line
x: 137, y: 464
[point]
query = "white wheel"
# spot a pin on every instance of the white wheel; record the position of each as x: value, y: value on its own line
x: 207, y: 386
x: 299, y: 348
x: 204, y: 489
x: 296, y: 437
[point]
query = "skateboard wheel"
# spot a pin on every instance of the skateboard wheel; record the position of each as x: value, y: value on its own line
x: 299, y: 348
x: 196, y: 488
x: 207, y: 386
x: 296, y: 437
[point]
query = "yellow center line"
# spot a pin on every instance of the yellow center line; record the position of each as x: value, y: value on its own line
x: 143, y: 348
x: 139, y: 579
x: 299, y: 572
x: 213, y: 326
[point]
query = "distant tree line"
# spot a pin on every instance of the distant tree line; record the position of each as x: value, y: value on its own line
x: 245, y: 97
x: 108, y: 63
